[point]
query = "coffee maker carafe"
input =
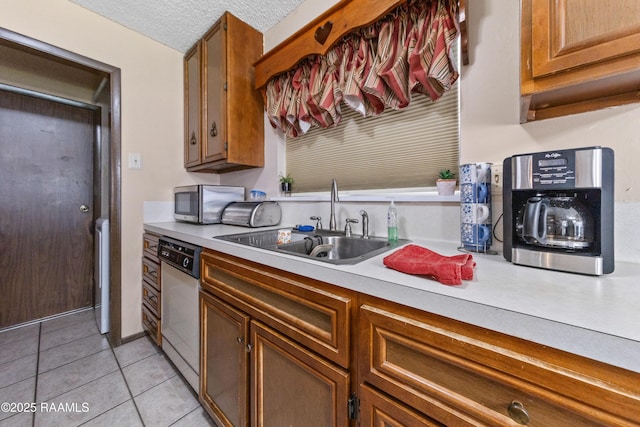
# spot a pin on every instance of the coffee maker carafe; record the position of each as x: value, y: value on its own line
x: 558, y: 210
x: 556, y: 222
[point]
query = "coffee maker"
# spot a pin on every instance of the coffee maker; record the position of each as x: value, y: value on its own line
x: 558, y: 210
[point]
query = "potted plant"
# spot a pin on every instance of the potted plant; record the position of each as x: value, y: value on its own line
x: 446, y: 182
x: 286, y: 183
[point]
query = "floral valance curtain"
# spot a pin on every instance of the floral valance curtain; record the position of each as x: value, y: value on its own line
x: 377, y: 67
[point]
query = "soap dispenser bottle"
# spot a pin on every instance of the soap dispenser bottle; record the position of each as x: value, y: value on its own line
x: 392, y: 223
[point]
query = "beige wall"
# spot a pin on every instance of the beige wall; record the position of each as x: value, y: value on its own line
x: 151, y: 114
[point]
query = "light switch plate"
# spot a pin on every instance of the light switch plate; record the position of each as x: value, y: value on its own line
x: 135, y: 161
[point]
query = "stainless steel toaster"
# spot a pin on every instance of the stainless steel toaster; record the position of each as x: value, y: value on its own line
x: 252, y: 214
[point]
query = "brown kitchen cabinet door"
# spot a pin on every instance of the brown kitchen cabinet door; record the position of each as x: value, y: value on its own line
x: 578, y: 56
x: 224, y: 361
x: 292, y: 386
x: 224, y: 114
x: 192, y: 107
x: 214, y: 73
x: 574, y: 33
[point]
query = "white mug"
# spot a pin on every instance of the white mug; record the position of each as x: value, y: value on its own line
x: 475, y: 172
x: 474, y: 213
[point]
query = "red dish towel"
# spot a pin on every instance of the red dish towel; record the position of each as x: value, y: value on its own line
x: 448, y: 270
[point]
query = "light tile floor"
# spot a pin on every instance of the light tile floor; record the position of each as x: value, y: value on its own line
x: 75, y: 377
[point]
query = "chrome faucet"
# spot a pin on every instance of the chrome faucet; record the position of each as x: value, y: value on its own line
x: 347, y: 227
x: 365, y: 224
x: 318, y: 221
x: 334, y: 199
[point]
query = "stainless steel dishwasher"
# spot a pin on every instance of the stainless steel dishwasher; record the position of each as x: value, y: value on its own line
x: 180, y: 274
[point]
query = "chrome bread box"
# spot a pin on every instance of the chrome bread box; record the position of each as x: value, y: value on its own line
x: 252, y: 214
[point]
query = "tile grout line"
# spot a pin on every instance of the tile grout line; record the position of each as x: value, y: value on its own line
x: 126, y: 383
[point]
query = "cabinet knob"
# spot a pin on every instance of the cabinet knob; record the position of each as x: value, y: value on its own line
x: 193, y: 140
x: 214, y: 129
x: 240, y: 340
x: 518, y: 413
x: 249, y: 348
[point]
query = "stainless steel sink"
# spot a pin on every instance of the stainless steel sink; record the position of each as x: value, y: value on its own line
x: 321, y: 245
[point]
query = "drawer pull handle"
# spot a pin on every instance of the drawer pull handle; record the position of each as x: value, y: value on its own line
x: 518, y: 413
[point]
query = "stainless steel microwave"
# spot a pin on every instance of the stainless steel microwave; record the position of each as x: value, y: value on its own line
x: 203, y: 204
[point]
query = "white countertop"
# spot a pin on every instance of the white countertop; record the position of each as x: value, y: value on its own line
x: 596, y: 317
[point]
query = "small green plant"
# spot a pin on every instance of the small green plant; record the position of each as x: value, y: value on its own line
x: 446, y: 174
x: 286, y: 179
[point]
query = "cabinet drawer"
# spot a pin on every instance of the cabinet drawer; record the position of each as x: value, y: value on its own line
x: 152, y: 325
x: 151, y: 272
x: 151, y: 297
x: 301, y: 308
x: 150, y: 246
x: 464, y: 375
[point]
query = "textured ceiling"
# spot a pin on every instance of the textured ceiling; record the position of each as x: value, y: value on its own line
x: 180, y: 23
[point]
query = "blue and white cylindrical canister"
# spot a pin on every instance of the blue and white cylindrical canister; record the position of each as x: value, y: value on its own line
x: 475, y: 207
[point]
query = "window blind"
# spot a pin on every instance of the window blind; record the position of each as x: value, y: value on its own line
x: 404, y: 148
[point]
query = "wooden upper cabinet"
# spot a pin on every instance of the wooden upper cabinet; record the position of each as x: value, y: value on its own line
x: 574, y: 33
x: 224, y: 114
x: 192, y: 102
x: 214, y: 79
x: 578, y: 55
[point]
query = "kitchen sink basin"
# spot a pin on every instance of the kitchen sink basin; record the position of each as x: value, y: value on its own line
x: 322, y: 245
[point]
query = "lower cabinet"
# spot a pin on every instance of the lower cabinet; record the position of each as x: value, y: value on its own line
x: 275, y: 349
x: 151, y: 288
x: 292, y: 386
x: 279, y: 349
x: 224, y: 355
x: 459, y: 374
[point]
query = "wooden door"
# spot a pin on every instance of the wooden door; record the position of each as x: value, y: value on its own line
x: 214, y: 75
x: 224, y: 362
x: 292, y: 386
x: 46, y: 176
x: 192, y: 107
x: 572, y: 33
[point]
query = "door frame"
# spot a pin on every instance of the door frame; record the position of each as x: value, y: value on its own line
x: 115, y: 169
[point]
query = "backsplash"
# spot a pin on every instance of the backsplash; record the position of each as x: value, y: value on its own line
x: 437, y: 221
x: 428, y: 220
